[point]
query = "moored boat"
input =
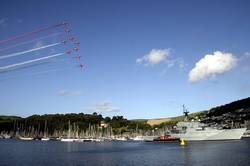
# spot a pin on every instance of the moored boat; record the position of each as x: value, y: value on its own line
x: 138, y: 138
x: 67, y: 139
x: 120, y: 139
x: 25, y: 138
x: 149, y: 138
x: 45, y: 139
x: 167, y: 138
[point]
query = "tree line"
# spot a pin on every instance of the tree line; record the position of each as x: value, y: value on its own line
x: 52, y: 123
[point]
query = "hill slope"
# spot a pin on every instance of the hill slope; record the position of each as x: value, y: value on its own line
x: 237, y: 112
x: 159, y: 121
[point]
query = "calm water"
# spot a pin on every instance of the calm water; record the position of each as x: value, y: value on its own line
x: 34, y: 153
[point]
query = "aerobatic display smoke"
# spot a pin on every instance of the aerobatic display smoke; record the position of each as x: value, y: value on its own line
x: 59, y: 43
x: 29, y: 61
x: 28, y: 51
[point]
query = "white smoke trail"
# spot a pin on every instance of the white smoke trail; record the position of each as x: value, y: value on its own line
x: 30, y: 41
x: 4, y: 68
x: 28, y: 51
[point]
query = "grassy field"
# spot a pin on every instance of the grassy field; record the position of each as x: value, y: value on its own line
x: 6, y: 118
x: 153, y: 122
x: 158, y: 121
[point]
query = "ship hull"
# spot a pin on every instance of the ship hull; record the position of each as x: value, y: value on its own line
x: 212, y: 135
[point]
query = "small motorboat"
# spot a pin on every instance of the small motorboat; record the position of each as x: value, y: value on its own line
x: 166, y: 138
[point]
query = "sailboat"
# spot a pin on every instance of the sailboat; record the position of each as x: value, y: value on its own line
x: 45, y: 138
x: 21, y: 133
x: 138, y: 137
x: 68, y: 139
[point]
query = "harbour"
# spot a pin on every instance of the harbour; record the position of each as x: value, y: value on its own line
x: 189, y: 129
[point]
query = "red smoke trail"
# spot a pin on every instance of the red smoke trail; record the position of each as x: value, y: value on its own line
x: 31, y: 32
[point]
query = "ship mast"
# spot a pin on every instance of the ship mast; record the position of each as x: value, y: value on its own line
x: 185, y: 112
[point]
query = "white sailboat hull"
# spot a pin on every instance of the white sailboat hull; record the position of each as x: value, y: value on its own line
x: 67, y: 140
x: 25, y: 138
x: 45, y: 139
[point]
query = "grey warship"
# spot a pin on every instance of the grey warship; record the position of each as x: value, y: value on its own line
x: 191, y: 130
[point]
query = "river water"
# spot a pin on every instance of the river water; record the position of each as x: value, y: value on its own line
x: 53, y: 153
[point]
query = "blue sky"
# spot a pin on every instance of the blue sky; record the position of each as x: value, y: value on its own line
x: 144, y: 59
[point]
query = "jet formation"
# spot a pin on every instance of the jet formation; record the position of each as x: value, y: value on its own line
x: 70, y: 42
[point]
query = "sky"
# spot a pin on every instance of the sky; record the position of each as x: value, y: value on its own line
x: 143, y: 58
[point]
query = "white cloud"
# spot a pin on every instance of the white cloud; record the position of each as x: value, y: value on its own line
x: 3, y: 22
x: 155, y: 56
x: 161, y: 56
x: 65, y: 92
x: 106, y: 106
x: 103, y: 106
x: 212, y: 65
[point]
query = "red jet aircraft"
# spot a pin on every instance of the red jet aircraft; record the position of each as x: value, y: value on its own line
x: 78, y: 56
x: 64, y: 42
x: 67, y: 52
x: 67, y: 30
x: 76, y: 48
x: 72, y: 38
x: 81, y: 66
x: 77, y: 43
